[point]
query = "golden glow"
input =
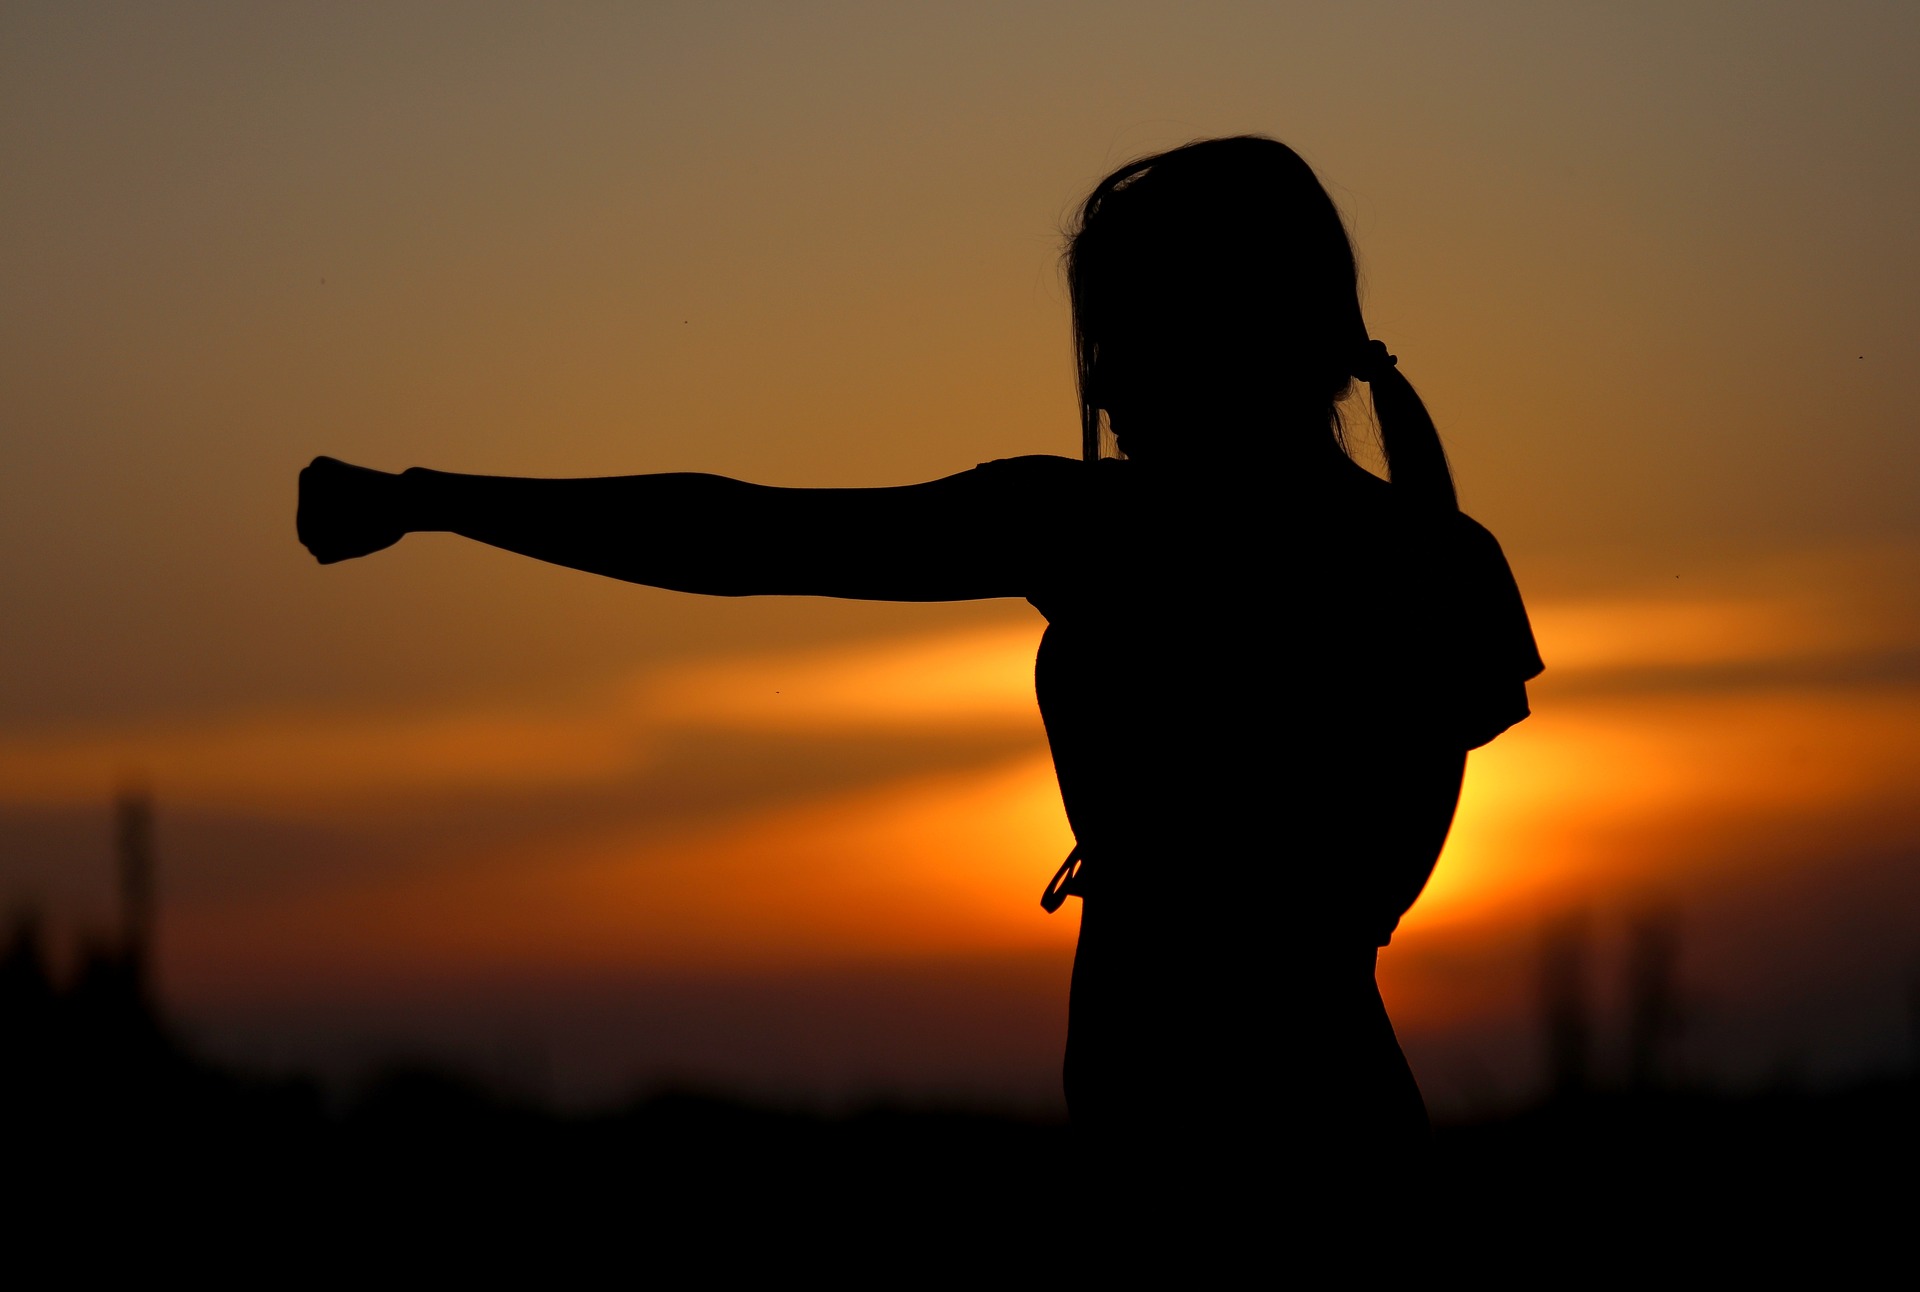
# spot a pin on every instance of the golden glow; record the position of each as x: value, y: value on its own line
x: 1549, y: 809
x: 1600, y: 792
x: 982, y: 677
x: 301, y: 759
x: 929, y: 867
x: 1597, y: 793
x: 1623, y: 632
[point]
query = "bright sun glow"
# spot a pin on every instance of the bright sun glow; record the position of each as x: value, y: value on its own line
x: 1602, y: 790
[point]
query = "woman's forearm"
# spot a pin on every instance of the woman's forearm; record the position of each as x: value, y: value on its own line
x: 723, y: 537
x: 668, y: 531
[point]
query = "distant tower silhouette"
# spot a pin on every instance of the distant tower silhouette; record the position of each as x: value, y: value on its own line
x: 1566, y: 1012
x: 1653, y: 1001
x: 1913, y: 1017
x: 133, y: 821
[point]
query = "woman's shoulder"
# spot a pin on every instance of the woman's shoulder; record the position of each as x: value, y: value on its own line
x: 1440, y: 539
x: 1045, y: 481
x: 1473, y: 539
x: 1450, y: 531
x: 1035, y: 469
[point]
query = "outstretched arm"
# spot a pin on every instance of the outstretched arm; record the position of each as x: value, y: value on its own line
x: 947, y: 540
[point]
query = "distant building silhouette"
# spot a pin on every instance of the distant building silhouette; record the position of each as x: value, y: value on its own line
x: 1654, y: 1017
x: 1566, y: 1006
x: 87, y: 1057
x: 133, y: 823
x: 1913, y: 1019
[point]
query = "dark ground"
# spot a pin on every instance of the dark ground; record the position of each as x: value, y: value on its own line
x: 126, y: 1149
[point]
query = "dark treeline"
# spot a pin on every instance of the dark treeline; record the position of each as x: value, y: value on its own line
x: 110, y: 1118
x: 102, y: 1103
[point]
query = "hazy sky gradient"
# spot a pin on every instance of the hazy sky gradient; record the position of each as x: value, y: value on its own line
x: 1652, y: 266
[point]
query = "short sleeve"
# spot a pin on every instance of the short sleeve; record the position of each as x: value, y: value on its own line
x: 1494, y: 654
x: 1040, y: 505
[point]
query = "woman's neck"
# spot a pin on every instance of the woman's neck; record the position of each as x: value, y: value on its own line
x: 1258, y: 443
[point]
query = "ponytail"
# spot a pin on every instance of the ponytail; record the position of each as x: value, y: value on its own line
x: 1233, y: 247
x: 1416, y: 461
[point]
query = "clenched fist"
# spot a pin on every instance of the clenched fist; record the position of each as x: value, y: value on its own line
x: 347, y: 511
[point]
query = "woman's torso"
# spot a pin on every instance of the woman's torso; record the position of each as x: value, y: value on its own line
x: 1246, y: 692
x: 1259, y: 696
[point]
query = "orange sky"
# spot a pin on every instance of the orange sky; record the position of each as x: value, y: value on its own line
x: 1654, y: 272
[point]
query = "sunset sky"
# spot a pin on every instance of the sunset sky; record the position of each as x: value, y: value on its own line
x: 1653, y: 267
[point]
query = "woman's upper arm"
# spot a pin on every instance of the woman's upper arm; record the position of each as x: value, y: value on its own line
x: 994, y: 531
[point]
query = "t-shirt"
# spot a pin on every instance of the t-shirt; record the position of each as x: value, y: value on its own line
x: 1259, y: 689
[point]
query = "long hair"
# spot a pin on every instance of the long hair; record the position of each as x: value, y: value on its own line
x: 1223, y: 267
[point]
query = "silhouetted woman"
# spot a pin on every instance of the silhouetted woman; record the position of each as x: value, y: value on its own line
x: 1263, y: 666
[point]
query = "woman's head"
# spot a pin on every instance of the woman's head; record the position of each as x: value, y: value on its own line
x: 1214, y: 285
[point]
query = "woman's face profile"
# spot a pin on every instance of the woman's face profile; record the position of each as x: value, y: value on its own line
x: 1178, y: 374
